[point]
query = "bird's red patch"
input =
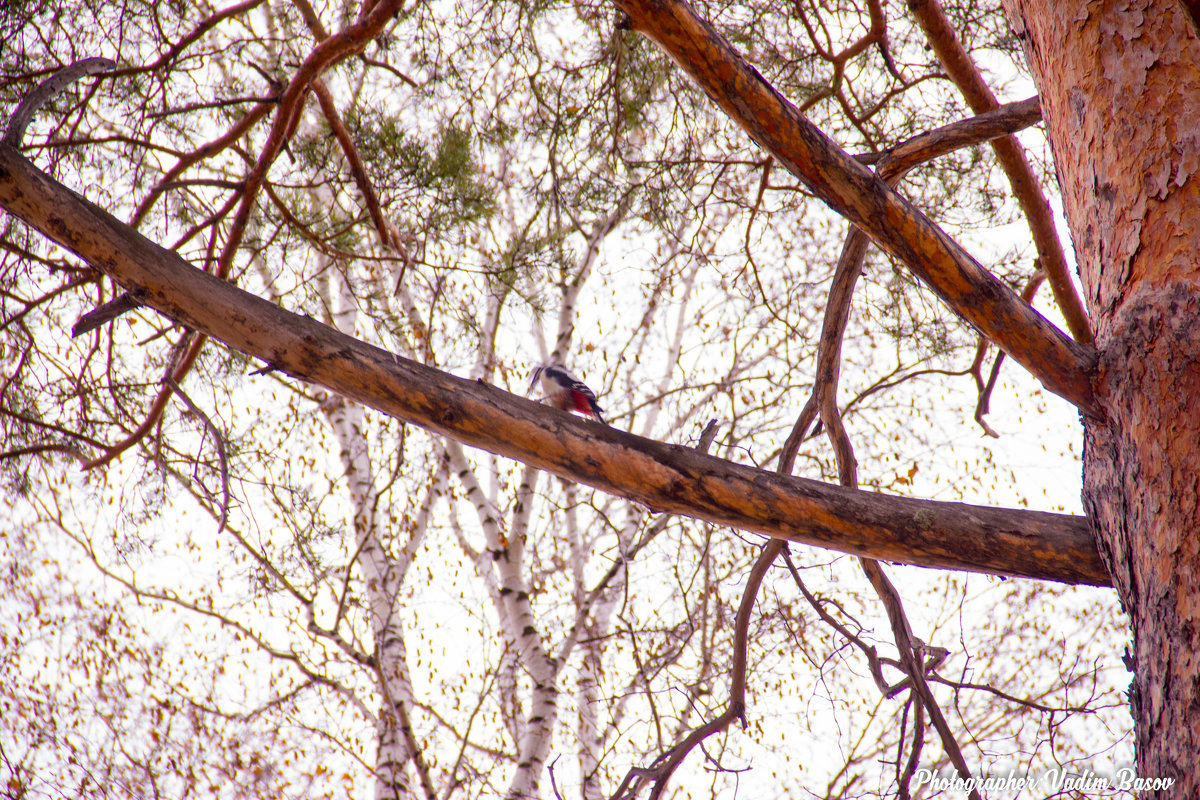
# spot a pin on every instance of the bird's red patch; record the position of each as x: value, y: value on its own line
x: 582, y: 404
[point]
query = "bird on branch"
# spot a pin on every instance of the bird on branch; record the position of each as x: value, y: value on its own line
x: 563, y: 390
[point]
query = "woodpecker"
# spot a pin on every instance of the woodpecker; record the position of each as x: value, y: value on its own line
x: 563, y: 390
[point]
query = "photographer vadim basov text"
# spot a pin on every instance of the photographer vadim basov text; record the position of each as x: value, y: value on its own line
x: 1052, y: 780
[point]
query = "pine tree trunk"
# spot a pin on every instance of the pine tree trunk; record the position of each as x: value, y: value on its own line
x: 1120, y: 88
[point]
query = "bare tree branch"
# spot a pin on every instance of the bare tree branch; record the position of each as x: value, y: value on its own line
x: 329, y: 52
x: 664, y: 477
x: 982, y: 406
x: 915, y: 667
x: 218, y: 440
x: 892, y: 166
x: 20, y: 118
x: 665, y: 765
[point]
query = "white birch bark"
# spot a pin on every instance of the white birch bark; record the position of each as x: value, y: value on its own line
x: 382, y: 575
x: 508, y: 557
x: 589, y: 736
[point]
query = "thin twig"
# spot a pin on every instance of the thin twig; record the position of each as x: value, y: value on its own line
x: 914, y: 756
x: 874, y: 662
x: 912, y: 664
x: 389, y: 234
x: 986, y: 387
x: 659, y: 772
x: 158, y: 406
x: 34, y: 449
x: 220, y: 444
x: 892, y: 166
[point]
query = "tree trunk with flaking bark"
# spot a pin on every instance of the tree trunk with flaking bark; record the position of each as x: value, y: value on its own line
x: 1120, y: 87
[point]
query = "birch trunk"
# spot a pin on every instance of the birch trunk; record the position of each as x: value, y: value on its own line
x: 382, y: 575
x: 508, y: 559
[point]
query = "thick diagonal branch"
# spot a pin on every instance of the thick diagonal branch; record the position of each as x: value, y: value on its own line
x: 894, y: 224
x: 661, y: 476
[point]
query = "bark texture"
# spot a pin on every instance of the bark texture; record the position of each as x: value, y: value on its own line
x: 1120, y: 90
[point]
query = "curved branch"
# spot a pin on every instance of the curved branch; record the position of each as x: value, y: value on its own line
x: 45, y: 91
x: 218, y: 442
x: 389, y: 234
x: 985, y: 388
x: 915, y: 667
x: 332, y: 50
x: 197, y: 33
x: 661, y: 476
x: 892, y: 166
x: 225, y: 140
x: 665, y: 765
x: 825, y: 399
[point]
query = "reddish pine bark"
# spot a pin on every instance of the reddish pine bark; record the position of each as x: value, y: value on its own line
x: 1120, y: 88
